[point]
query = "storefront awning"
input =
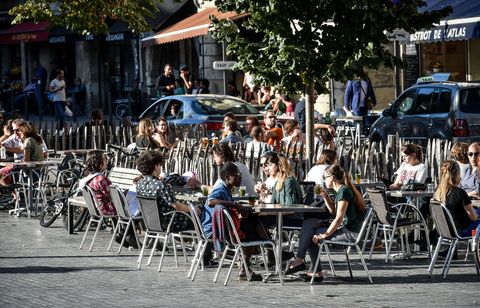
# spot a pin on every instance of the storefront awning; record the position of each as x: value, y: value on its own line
x: 462, y: 24
x: 195, y: 25
x: 447, y: 32
x: 25, y: 32
x: 62, y: 35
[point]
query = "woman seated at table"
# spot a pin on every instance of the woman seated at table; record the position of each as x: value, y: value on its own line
x: 32, y: 142
x: 95, y: 166
x: 465, y: 217
x: 286, y: 191
x: 412, y: 169
x: 327, y: 158
x: 161, y: 135
x: 459, y: 153
x: 250, y: 228
x: 264, y: 189
x: 150, y: 185
x: 257, y: 144
x: 348, y: 210
x: 144, y: 137
x: 294, y: 134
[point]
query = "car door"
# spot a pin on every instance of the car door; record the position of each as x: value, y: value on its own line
x: 418, y: 124
x: 402, y: 111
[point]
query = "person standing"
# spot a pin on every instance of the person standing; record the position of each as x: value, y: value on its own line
x: 273, y: 134
x: 357, y: 93
x: 57, y: 87
x: 186, y: 79
x: 166, y: 82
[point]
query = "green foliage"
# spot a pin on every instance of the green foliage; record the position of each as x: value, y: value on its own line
x: 293, y: 43
x: 87, y: 16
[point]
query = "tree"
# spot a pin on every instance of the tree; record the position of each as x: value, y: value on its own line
x: 301, y: 44
x: 87, y: 16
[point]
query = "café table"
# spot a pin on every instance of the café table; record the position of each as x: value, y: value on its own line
x: 368, y: 184
x: 415, y: 200
x: 279, y: 210
x: 198, y: 197
x: 27, y: 168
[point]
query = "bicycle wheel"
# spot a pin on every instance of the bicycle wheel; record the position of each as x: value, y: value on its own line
x: 78, y: 218
x: 49, y: 215
x: 121, y: 111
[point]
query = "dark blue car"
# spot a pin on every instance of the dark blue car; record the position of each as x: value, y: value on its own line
x: 205, y: 109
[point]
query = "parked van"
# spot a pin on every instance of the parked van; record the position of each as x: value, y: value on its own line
x: 446, y: 110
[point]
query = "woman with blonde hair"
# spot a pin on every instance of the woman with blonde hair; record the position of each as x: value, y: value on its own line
x: 348, y: 211
x: 145, y: 135
x: 465, y: 217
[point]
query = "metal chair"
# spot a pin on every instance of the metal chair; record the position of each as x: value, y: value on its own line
x: 391, y: 217
x: 151, y: 217
x: 448, y: 234
x: 95, y: 215
x: 201, y: 243
x: 124, y: 216
x: 347, y: 246
x: 235, y: 245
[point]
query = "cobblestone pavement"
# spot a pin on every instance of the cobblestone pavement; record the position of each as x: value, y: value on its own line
x: 42, y: 267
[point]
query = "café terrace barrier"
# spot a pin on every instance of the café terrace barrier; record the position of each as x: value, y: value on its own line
x: 356, y: 153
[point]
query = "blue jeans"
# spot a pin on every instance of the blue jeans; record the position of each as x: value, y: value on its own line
x: 472, y: 226
x: 60, y: 112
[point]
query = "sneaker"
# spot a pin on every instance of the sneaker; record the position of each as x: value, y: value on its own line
x: 242, y: 276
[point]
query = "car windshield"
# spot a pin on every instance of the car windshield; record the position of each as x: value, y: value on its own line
x: 222, y: 106
x: 470, y: 100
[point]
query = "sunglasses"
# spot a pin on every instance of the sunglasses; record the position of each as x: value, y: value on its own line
x: 471, y: 154
x: 16, y: 130
x: 327, y: 176
x: 272, y: 117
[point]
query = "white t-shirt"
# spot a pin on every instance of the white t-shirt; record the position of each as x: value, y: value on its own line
x: 463, y: 168
x: 407, y: 172
x: 58, y: 96
x: 316, y: 174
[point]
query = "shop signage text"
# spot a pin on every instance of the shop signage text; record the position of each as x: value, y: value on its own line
x: 447, y: 33
x: 223, y: 65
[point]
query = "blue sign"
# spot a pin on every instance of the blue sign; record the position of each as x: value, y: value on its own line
x: 447, y: 33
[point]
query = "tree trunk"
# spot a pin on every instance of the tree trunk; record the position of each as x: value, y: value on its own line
x: 309, y: 119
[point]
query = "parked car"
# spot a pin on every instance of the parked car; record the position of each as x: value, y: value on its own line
x: 199, y: 109
x: 446, y: 110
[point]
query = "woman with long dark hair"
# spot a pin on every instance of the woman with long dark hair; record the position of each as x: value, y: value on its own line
x: 348, y: 210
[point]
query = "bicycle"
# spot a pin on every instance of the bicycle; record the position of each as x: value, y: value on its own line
x: 58, y: 205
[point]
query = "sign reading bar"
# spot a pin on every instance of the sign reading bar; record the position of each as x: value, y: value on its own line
x: 223, y: 65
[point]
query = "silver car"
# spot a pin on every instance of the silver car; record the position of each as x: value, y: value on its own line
x: 446, y: 110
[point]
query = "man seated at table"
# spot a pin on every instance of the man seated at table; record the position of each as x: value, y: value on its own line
x: 470, y: 182
x: 250, y: 228
x: 231, y: 129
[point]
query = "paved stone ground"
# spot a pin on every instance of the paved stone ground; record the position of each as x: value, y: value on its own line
x: 42, y: 267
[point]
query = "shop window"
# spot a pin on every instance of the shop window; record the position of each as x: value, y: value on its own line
x: 470, y: 100
x: 445, y: 101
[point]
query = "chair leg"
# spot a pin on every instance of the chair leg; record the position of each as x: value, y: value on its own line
x: 364, y: 264
x: 96, y: 232
x: 198, y: 249
x: 330, y: 261
x: 450, y: 257
x: 174, y: 244
x: 370, y: 224
x: 348, y: 263
x: 434, y: 257
x: 168, y: 236
x: 224, y: 254
x: 374, y: 241
x: 183, y: 249
x: 129, y: 223
x: 139, y: 260
x: 113, y: 236
x: 316, y: 263
x: 86, y: 231
x: 157, y: 237
x: 200, y: 260
x: 389, y: 243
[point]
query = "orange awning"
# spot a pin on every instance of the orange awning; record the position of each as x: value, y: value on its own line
x: 195, y: 25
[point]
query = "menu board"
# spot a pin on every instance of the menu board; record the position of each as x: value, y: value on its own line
x: 411, y: 65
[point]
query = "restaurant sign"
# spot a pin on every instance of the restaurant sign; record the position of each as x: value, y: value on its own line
x: 447, y: 33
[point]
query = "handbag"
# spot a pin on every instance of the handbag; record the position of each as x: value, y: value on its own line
x: 369, y: 103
